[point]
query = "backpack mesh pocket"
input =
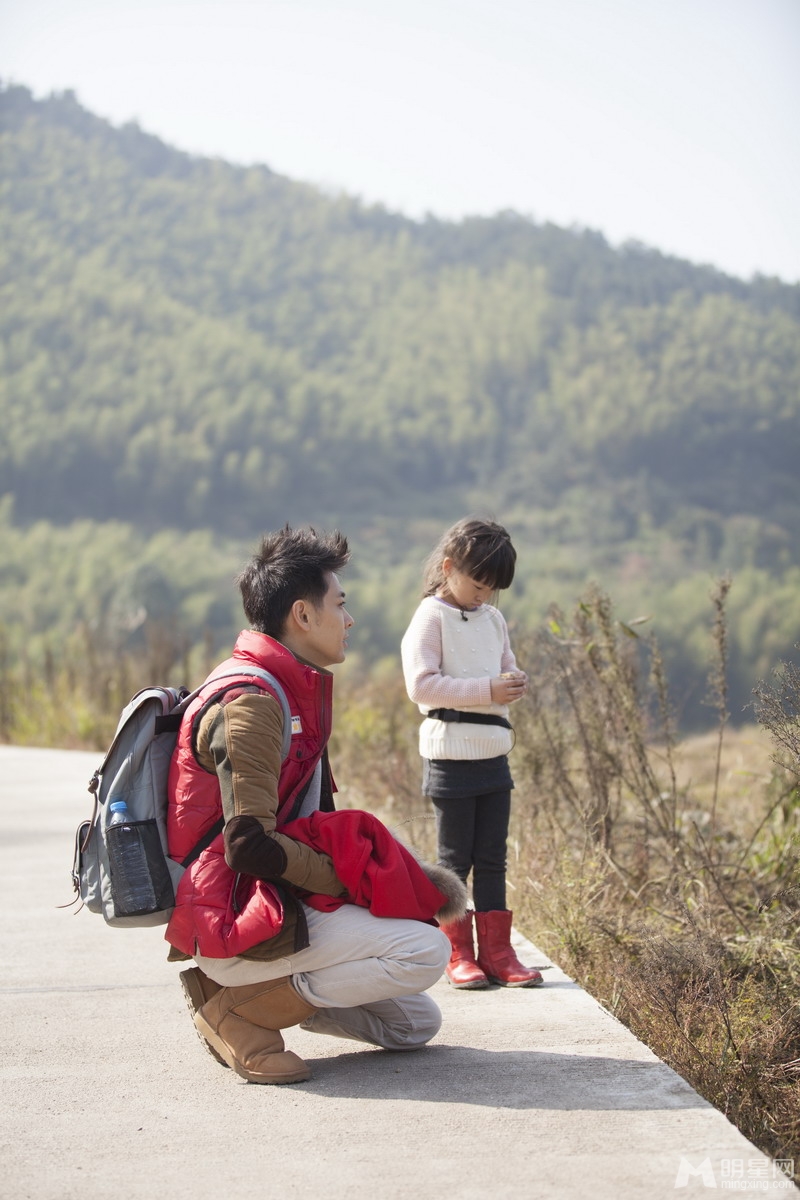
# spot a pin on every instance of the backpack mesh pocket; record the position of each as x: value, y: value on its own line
x: 140, y: 879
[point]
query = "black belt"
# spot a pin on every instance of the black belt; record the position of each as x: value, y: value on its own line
x: 454, y: 714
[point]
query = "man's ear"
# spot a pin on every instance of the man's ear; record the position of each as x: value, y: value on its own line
x: 299, y: 615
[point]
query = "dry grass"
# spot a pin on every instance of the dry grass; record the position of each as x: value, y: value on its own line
x: 746, y: 770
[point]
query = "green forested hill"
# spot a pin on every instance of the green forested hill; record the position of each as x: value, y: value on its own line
x: 194, y: 351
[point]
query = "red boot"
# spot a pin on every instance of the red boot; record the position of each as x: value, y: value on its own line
x: 462, y: 971
x: 496, y: 958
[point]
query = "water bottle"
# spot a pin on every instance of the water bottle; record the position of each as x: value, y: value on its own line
x: 131, y: 884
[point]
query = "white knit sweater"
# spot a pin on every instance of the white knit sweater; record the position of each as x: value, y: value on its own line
x: 449, y: 662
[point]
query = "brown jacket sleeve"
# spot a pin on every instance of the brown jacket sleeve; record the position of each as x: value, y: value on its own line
x: 241, y: 742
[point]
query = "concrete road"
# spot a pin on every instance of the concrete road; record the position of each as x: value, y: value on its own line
x: 108, y: 1092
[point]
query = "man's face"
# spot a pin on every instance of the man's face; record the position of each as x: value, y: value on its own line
x: 326, y: 640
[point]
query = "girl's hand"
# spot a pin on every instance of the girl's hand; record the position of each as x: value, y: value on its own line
x: 508, y: 687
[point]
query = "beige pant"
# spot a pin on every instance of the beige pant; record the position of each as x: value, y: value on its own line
x: 365, y: 974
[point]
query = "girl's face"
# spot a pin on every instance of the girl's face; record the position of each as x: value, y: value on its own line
x: 461, y: 589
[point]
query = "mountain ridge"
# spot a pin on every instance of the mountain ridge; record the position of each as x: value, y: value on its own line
x: 195, y: 346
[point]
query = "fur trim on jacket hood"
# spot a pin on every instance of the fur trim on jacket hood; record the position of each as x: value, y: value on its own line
x: 450, y: 886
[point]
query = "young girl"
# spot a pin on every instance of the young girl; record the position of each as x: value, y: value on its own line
x: 459, y: 668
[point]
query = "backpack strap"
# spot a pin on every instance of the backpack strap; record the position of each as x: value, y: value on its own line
x: 205, y: 841
x: 286, y: 736
x: 177, y: 713
x: 170, y: 722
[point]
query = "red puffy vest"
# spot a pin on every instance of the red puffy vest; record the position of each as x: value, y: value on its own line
x: 218, y: 913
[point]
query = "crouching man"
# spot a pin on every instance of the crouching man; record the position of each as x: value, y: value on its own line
x: 293, y: 913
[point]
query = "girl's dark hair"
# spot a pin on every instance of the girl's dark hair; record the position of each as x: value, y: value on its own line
x: 481, y: 549
x: 292, y: 564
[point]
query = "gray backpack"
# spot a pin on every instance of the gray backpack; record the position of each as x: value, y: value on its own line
x: 136, y: 770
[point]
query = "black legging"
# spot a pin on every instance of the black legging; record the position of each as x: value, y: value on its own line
x: 472, y: 833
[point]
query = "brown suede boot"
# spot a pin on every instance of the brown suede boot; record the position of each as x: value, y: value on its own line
x: 242, y: 1023
x: 462, y: 971
x: 496, y: 957
x: 198, y: 988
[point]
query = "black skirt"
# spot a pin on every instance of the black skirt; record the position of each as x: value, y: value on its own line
x: 453, y: 778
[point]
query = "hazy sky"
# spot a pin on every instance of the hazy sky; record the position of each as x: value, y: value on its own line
x: 674, y: 122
